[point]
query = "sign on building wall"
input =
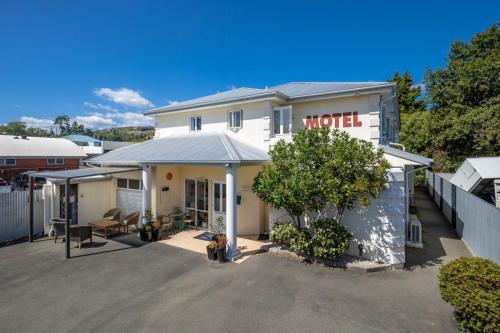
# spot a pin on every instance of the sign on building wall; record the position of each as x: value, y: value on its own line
x: 334, y: 120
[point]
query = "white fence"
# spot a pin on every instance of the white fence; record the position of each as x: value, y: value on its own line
x: 14, y: 214
x: 476, y: 221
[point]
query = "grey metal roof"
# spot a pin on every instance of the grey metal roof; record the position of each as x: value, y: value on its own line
x: 475, y: 171
x: 292, y: 91
x: 112, y: 145
x: 193, y: 148
x: 406, y: 155
x: 17, y: 147
x: 80, y: 173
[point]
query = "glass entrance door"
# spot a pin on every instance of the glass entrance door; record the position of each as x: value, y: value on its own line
x: 219, y: 207
x: 196, y: 201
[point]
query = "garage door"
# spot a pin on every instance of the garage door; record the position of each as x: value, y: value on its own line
x: 128, y: 200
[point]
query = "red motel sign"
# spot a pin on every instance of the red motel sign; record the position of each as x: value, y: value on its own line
x: 336, y: 120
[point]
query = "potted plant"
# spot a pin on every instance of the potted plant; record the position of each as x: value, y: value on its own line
x: 155, y: 230
x: 221, y: 248
x: 148, y: 229
x: 212, y: 250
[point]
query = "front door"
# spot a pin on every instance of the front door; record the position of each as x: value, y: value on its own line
x: 196, y: 201
x: 219, y: 207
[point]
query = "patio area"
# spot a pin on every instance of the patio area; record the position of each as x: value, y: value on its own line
x: 197, y: 240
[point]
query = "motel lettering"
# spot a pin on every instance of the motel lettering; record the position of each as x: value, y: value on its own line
x: 335, y: 120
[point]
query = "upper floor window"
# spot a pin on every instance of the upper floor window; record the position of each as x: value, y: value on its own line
x: 7, y: 161
x: 55, y: 161
x: 195, y: 123
x: 282, y: 120
x: 235, y: 119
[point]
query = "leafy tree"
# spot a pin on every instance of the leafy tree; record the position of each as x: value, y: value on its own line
x: 64, y: 124
x: 13, y: 128
x: 408, y: 95
x: 318, y: 169
x: 464, y: 97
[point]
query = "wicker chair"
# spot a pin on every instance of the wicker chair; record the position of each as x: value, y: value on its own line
x: 112, y: 214
x: 189, y: 218
x: 131, y: 219
x: 78, y: 233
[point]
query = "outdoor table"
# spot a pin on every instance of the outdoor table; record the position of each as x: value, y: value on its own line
x: 102, y: 226
x: 175, y: 217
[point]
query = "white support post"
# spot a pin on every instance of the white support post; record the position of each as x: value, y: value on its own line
x: 232, y: 252
x: 146, y: 188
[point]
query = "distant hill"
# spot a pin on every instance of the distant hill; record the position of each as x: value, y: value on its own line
x: 132, y: 134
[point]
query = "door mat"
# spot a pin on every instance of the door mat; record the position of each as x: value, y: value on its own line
x: 206, y: 236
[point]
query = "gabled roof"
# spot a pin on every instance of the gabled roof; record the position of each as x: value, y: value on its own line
x: 17, y: 147
x: 293, y: 91
x: 406, y: 155
x: 81, y: 138
x: 208, y: 148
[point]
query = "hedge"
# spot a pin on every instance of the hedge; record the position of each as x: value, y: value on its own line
x: 472, y: 287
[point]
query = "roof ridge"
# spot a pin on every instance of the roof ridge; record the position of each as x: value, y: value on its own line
x: 229, y: 146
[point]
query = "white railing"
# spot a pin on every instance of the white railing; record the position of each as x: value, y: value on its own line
x: 14, y: 214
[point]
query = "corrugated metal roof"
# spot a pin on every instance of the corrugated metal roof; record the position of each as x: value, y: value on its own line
x: 193, y: 148
x: 38, y: 147
x: 296, y: 89
x: 81, y: 138
x: 81, y: 173
x: 112, y: 145
x: 406, y: 155
x: 287, y: 91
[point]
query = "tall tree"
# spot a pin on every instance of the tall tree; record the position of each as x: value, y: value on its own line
x: 63, y: 123
x: 13, y: 128
x: 415, y: 119
x: 464, y: 98
x: 408, y: 94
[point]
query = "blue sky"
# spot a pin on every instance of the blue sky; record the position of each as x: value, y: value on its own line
x: 102, y: 62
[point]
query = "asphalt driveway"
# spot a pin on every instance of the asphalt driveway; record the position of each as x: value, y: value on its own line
x: 120, y: 287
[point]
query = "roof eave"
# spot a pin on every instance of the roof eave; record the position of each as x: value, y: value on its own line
x: 193, y: 107
x: 343, y: 93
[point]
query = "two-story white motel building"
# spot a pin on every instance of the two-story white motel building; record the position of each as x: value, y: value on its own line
x: 207, y: 151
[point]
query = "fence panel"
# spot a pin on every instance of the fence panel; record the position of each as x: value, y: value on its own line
x: 14, y: 214
x: 476, y: 221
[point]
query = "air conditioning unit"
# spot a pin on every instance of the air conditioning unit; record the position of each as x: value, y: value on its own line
x: 415, y: 232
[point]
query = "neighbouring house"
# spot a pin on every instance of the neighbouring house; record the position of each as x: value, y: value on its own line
x: 93, y: 147
x: 22, y: 153
x: 207, y: 151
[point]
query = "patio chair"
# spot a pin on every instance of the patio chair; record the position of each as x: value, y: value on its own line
x: 131, y: 219
x: 112, y: 214
x: 189, y: 218
x: 165, y: 224
x: 78, y: 233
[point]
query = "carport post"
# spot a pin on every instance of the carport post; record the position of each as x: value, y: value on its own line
x: 232, y: 252
x: 30, y: 235
x: 67, y: 238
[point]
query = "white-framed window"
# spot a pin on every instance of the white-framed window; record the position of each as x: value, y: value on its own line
x: 195, y: 123
x: 282, y: 120
x: 7, y: 161
x: 235, y: 119
x: 55, y: 161
x: 384, y: 117
x: 131, y: 184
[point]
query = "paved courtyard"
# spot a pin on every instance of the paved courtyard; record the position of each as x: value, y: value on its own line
x: 121, y: 285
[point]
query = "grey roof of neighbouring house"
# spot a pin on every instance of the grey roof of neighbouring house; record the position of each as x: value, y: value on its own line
x: 211, y: 148
x: 19, y: 147
x: 112, y: 145
x: 406, y: 155
x: 288, y: 92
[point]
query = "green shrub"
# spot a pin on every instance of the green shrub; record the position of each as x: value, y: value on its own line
x: 283, y: 233
x: 325, y: 238
x: 329, y: 238
x: 472, y: 287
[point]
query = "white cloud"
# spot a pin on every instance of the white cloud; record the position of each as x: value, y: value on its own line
x: 37, y: 122
x: 100, y: 106
x: 124, y: 96
x: 95, y: 121
x: 231, y: 87
x: 171, y: 102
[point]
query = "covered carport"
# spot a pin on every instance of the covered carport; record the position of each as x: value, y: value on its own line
x: 67, y: 176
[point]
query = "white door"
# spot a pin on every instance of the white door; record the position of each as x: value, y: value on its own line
x: 128, y: 200
x: 219, y: 207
